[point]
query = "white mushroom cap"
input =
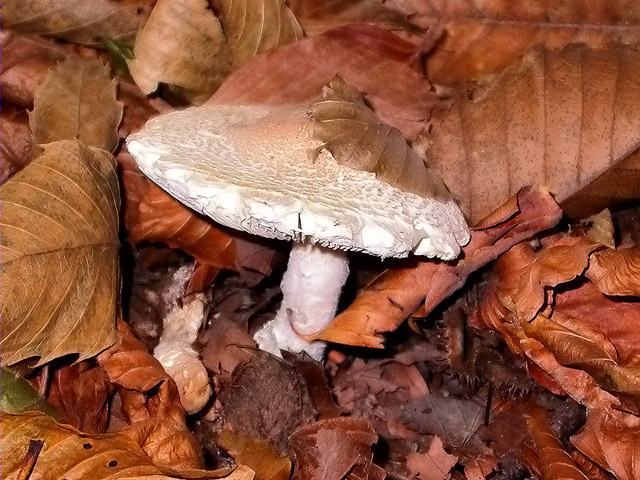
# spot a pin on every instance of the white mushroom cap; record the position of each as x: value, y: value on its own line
x: 258, y: 169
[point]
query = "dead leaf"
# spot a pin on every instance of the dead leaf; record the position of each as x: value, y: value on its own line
x: 384, y: 304
x: 251, y: 27
x: 15, y: 141
x: 373, y: 60
x: 356, y: 138
x: 483, y: 38
x: 88, y: 22
x: 69, y: 453
x: 60, y: 255
x: 334, y: 449
x: 616, y: 272
x: 77, y: 101
x: 256, y: 454
x: 434, y: 464
x: 612, y: 440
x: 18, y: 395
x: 554, y: 460
x: 560, y: 119
x: 181, y: 45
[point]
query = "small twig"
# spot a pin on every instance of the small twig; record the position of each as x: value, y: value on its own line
x: 487, y: 411
x: 45, y: 381
x: 30, y: 459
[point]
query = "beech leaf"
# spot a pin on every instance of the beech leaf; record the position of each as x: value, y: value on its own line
x: 77, y: 101
x: 59, y: 247
x: 616, y: 272
x: 86, y: 22
x: 561, y: 119
x: 68, y: 453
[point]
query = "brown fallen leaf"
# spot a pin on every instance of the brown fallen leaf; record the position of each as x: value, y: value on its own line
x: 89, y: 22
x: 258, y: 455
x: 251, y: 27
x: 554, y: 461
x: 560, y: 119
x: 77, y: 101
x: 612, y: 440
x: 68, y: 453
x: 616, y: 272
x: 59, y: 248
x: 16, y: 145
x: 335, y: 449
x: 485, y: 37
x: 373, y: 60
x: 433, y: 464
x: 384, y: 304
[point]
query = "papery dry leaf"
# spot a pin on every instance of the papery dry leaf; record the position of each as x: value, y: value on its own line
x: 591, y: 469
x: 77, y: 101
x: 373, y: 60
x: 68, y: 453
x: 555, y: 462
x: 612, y: 440
x: 333, y: 449
x: 483, y: 37
x: 601, y: 228
x: 60, y: 269
x: 358, y: 139
x: 258, y: 455
x: 384, y: 304
x: 252, y: 27
x: 152, y: 215
x: 616, y: 272
x: 318, y: 17
x: 15, y: 141
x: 434, y: 464
x: 560, y: 119
x: 88, y: 22
x: 181, y: 45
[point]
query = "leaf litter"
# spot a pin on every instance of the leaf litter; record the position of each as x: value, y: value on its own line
x: 518, y: 360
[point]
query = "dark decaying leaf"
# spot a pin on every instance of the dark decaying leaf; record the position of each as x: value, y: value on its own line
x: 87, y: 22
x: 60, y: 254
x: 77, y: 101
x: 15, y: 141
x: 560, y: 119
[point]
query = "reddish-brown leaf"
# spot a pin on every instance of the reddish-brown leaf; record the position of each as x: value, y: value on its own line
x: 384, y: 304
x: 433, y: 464
x: 371, y: 59
x: 15, y: 140
x: 258, y: 455
x: 616, y: 272
x: 561, y: 119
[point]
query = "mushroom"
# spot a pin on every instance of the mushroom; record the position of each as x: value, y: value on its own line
x: 331, y: 177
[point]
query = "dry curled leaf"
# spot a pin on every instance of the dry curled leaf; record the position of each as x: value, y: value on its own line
x: 60, y: 270
x: 181, y: 45
x: 483, y: 37
x: 433, y: 464
x: 77, y: 101
x: 560, y: 119
x: 88, y: 22
x: 258, y: 455
x: 373, y: 60
x: 252, y: 27
x: 68, y: 453
x: 616, y: 272
x: 385, y: 303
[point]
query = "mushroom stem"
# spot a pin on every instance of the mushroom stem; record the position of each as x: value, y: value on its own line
x: 311, y: 289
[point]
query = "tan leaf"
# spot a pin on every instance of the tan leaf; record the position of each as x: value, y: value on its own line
x: 385, y: 303
x: 77, y: 101
x: 612, y: 440
x: 560, y: 119
x: 554, y: 460
x: 616, y: 272
x: 485, y: 37
x: 68, y: 453
x: 181, y: 45
x: 258, y: 455
x: 371, y: 59
x: 60, y: 255
x: 88, y: 22
x: 358, y: 139
x: 252, y: 27
x: 434, y: 464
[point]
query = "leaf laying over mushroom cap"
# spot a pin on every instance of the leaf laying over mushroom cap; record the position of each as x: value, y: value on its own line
x: 86, y: 22
x: 556, y: 118
x: 77, y: 101
x: 60, y: 255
